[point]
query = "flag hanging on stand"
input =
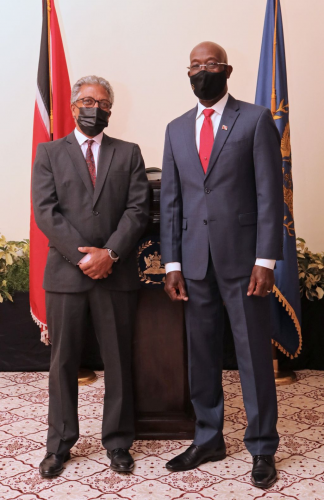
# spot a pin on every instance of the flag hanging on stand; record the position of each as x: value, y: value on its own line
x: 272, y: 92
x: 52, y: 120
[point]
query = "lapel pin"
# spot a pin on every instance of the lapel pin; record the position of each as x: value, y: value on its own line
x: 224, y: 127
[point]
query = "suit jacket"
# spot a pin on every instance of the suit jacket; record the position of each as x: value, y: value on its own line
x: 72, y: 214
x: 235, y: 210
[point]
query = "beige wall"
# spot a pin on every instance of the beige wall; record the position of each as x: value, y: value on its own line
x: 142, y: 47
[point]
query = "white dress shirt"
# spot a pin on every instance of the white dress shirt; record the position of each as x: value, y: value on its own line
x: 215, y: 118
x: 95, y: 147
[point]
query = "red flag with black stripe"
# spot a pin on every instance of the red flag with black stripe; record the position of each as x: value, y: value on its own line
x: 52, y: 120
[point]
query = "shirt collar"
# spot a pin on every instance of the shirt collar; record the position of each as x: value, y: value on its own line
x: 218, y: 107
x: 81, y: 138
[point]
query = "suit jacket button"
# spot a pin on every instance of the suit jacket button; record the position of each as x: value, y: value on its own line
x: 207, y: 191
x: 95, y: 213
x: 205, y: 222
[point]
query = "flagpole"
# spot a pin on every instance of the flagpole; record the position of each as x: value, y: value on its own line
x: 85, y: 376
x: 281, y: 377
x: 49, y: 64
x: 273, y: 94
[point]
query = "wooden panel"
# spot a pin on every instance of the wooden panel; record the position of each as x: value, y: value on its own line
x: 163, y: 408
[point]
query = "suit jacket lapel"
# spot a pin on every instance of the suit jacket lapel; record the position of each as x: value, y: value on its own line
x: 79, y: 162
x: 105, y: 156
x: 229, y: 117
x: 189, y: 130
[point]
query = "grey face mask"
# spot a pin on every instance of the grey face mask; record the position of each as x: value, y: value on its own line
x: 92, y: 121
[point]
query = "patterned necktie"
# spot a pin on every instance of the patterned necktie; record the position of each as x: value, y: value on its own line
x: 91, y: 163
x: 206, y: 139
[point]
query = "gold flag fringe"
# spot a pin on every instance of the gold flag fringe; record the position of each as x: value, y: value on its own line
x: 293, y: 316
x: 44, y: 332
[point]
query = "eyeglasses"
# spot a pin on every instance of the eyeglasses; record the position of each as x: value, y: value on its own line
x: 212, y: 66
x: 90, y: 102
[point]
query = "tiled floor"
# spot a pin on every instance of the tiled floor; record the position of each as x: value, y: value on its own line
x: 23, y: 416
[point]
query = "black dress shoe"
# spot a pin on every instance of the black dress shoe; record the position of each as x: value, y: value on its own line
x: 195, y: 456
x: 264, y: 473
x: 121, y: 460
x: 52, y: 465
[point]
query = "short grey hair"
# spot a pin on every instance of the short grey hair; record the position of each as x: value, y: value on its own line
x: 91, y: 80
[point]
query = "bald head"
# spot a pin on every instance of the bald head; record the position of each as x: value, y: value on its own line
x: 209, y: 50
x: 209, y: 72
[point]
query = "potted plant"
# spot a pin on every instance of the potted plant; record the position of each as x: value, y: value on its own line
x: 14, y: 268
x: 21, y: 349
x: 311, y: 285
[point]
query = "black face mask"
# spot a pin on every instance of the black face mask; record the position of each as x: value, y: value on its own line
x: 207, y: 85
x: 92, y: 121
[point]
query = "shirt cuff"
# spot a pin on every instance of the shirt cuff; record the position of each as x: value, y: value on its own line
x: 172, y: 266
x: 84, y: 259
x: 269, y: 263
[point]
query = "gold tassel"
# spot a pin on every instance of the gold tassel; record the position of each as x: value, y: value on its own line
x: 293, y: 316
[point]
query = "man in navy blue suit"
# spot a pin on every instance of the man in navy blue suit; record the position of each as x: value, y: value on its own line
x: 221, y: 234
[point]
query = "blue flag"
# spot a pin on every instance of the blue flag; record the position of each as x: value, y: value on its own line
x: 272, y: 92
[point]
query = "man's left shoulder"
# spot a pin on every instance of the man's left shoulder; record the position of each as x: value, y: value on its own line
x: 251, y: 109
x: 121, y: 144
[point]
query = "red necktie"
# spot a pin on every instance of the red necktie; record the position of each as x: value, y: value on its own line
x: 91, y: 163
x: 206, y: 139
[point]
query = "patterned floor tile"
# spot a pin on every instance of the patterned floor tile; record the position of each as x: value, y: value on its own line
x: 90, y: 426
x: 230, y: 490
x: 284, y: 480
x: 10, y: 467
x: 16, y: 390
x: 31, y: 482
x: 113, y: 496
x: 87, y: 446
x: 26, y: 496
x: 36, y: 396
x: 150, y: 468
x: 230, y: 468
x: 27, y: 377
x: 313, y: 433
x: 298, y: 466
x: 296, y: 445
x: 284, y: 410
x: 24, y: 427
x: 38, y: 437
x: 71, y: 490
x: 95, y: 410
x: 81, y: 467
x: 8, y: 418
x: 5, y: 382
x: 152, y: 490
x: 109, y: 481
x: 275, y: 496
x: 316, y: 453
x: 7, y: 493
x: 12, y: 403
x: 309, y: 417
x: 17, y: 446
x: 301, y: 402
x: 288, y: 426
x: 310, y: 489
x: 23, y: 430
x: 165, y: 450
x: 190, y: 481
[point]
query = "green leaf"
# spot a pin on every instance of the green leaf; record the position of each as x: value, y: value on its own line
x: 8, y: 296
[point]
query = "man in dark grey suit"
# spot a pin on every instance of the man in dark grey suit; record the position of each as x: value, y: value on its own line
x: 90, y: 198
x: 221, y: 232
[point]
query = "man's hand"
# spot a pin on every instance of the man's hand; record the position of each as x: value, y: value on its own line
x: 175, y: 286
x: 261, y: 281
x: 100, y: 264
